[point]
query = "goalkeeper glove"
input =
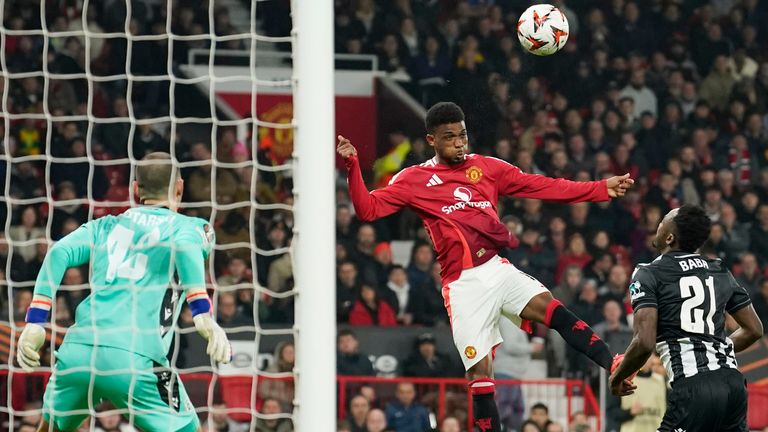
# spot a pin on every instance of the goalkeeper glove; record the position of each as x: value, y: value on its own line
x: 30, y: 341
x: 218, y: 345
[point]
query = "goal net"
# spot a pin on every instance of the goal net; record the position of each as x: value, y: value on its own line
x: 89, y: 88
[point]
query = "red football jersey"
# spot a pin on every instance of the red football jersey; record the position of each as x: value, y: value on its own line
x: 458, y: 203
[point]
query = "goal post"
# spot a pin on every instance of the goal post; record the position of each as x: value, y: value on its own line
x: 314, y: 162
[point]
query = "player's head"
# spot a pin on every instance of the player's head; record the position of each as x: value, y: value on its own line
x: 446, y: 132
x: 683, y: 229
x: 158, y: 181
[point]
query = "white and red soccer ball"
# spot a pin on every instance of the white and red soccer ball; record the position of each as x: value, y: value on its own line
x: 542, y: 29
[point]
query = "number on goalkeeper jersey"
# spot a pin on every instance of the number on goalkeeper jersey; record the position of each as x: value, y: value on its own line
x: 124, y: 259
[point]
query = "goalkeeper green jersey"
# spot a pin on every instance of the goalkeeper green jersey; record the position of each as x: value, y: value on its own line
x: 134, y: 259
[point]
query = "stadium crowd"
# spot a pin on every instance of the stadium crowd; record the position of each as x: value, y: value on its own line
x: 674, y: 92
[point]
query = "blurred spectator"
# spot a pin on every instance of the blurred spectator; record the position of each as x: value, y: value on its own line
x: 554, y: 427
x: 33, y: 415
x: 616, y: 334
x: 600, y: 267
x: 587, y: 306
x: 349, y: 360
x: 21, y: 301
x: 347, y: 290
x: 27, y: 231
x: 73, y: 287
x: 219, y: 421
x: 427, y: 304
x: 426, y: 361
x: 272, y: 406
x: 576, y: 254
x: 398, y: 294
x: 643, y: 97
x: 512, y: 360
x: 758, y: 235
x: 236, y: 272
x: 579, y: 422
x: 147, y: 140
x: 735, y: 234
x: 716, y: 87
x: 450, y: 424
x: 749, y: 275
x: 66, y: 192
x: 342, y: 426
x: 382, y: 255
x: 405, y: 414
x: 26, y: 181
x: 358, y: 411
x: 362, y: 253
x: 370, y: 310
x: 282, y: 390
x: 376, y: 421
x: 539, y: 414
x: 227, y: 314
x: 643, y: 410
x: 112, y: 421
x: 615, y: 287
x: 34, y: 265
x: 345, y: 228
x: 530, y: 426
x: 113, y: 136
x: 420, y: 267
x: 63, y: 317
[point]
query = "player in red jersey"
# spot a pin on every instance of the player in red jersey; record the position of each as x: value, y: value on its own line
x: 455, y: 194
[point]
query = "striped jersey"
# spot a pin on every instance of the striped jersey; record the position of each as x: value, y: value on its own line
x: 134, y: 259
x: 692, y: 295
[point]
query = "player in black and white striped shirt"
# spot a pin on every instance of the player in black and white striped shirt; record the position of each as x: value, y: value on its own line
x: 680, y: 300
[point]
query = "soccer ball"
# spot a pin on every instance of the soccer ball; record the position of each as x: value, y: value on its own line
x: 542, y: 29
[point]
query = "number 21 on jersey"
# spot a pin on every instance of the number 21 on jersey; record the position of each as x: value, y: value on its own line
x: 124, y: 262
x: 692, y: 317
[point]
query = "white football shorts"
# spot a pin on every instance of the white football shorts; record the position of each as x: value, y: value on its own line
x: 477, y: 300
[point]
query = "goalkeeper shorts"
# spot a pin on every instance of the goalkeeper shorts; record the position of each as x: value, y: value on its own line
x: 84, y: 376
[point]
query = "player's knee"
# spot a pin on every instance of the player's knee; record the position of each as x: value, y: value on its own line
x: 538, y: 307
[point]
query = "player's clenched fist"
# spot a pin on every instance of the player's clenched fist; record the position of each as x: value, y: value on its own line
x: 345, y: 148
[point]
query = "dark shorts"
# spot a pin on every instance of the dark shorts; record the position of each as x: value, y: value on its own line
x: 710, y: 401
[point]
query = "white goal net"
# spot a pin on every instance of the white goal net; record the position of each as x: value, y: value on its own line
x: 89, y: 88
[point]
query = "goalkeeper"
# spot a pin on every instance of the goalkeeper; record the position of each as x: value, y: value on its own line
x: 118, y: 346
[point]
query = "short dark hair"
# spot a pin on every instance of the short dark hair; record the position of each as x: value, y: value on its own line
x: 540, y: 405
x: 443, y: 113
x: 156, y: 176
x: 692, y: 225
x: 346, y: 332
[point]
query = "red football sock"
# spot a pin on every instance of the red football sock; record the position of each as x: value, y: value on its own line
x: 484, y: 405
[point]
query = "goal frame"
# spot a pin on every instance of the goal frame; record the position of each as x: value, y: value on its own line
x: 314, y: 240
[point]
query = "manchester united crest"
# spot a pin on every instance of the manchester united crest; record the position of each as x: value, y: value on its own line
x: 474, y: 174
x: 470, y: 352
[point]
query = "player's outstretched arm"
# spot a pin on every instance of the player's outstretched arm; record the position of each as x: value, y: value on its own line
x: 71, y: 251
x: 512, y: 181
x: 750, y: 328
x: 192, y: 248
x: 370, y: 205
x: 642, y: 346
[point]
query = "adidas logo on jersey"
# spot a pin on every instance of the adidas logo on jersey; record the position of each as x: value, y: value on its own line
x: 434, y: 181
